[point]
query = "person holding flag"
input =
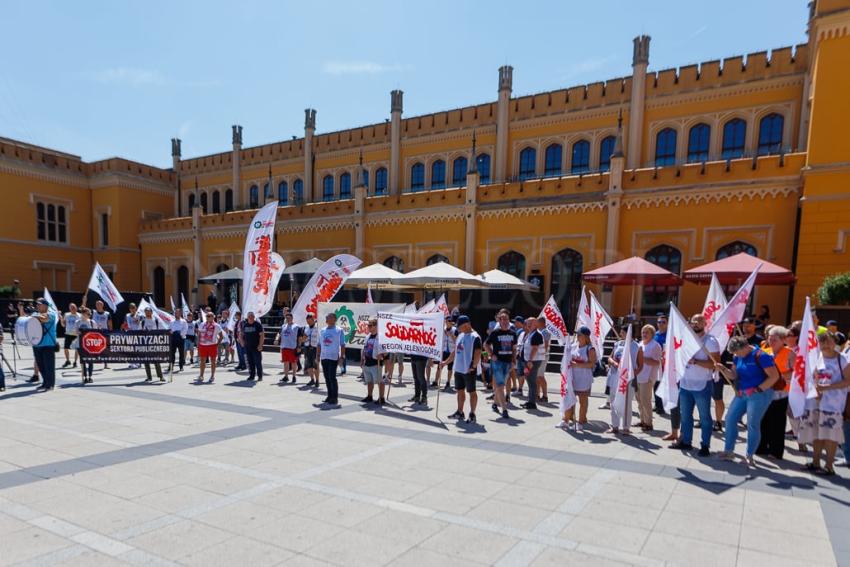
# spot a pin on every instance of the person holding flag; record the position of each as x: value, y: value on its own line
x: 621, y: 417
x: 621, y: 406
x: 583, y: 362
x: 697, y: 381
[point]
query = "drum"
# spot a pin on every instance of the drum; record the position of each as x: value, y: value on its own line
x: 28, y: 331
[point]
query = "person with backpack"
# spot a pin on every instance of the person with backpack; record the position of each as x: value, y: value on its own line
x: 754, y: 374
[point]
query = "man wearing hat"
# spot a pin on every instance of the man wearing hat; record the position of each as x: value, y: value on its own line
x: 466, y: 356
x: 45, y: 350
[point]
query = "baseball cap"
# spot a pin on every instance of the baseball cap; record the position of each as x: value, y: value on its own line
x: 751, y: 320
x: 41, y: 301
x: 584, y: 331
x: 832, y: 322
x: 462, y: 319
x: 519, y: 319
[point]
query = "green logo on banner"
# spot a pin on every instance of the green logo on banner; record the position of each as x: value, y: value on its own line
x: 345, y: 320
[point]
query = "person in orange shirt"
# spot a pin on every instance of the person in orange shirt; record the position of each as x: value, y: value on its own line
x: 773, y: 424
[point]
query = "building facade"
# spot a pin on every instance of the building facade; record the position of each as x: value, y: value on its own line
x: 681, y: 166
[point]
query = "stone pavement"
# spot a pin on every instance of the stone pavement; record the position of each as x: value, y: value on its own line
x: 122, y: 472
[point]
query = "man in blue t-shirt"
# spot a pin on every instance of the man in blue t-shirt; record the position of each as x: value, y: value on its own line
x: 44, y: 351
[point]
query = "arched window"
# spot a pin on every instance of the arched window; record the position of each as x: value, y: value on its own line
x: 734, y: 139
x: 657, y: 298
x: 581, y: 157
x: 183, y: 281
x: 698, y: 139
x: 436, y: 258
x: 282, y: 194
x: 328, y: 188
x: 417, y: 177
x: 298, y: 191
x: 513, y: 263
x: 253, y: 197
x: 395, y: 263
x: 606, y: 148
x: 459, y: 167
x: 527, y: 163
x: 364, y: 173
x: 216, y: 202
x: 484, y: 168
x: 381, y: 181
x: 159, y: 285
x: 204, y: 202
x: 552, y: 159
x: 345, y: 186
x: 228, y: 200
x: 735, y: 247
x: 191, y: 202
x: 268, y: 192
x: 665, y: 147
x: 567, y: 268
x: 770, y: 134
x: 438, y: 174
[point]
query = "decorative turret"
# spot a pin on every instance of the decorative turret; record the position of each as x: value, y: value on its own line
x: 640, y: 55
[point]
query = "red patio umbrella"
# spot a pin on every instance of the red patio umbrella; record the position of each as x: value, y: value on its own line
x: 735, y: 269
x: 632, y: 271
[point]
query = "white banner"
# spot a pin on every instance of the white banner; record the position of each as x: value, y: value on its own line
x: 583, y: 316
x: 231, y: 316
x: 555, y: 323
x: 261, y: 266
x: 568, y: 391
x: 323, y: 286
x: 103, y: 286
x: 414, y: 334
x: 428, y: 307
x: 442, y: 307
x: 600, y: 325
x: 803, y: 380
x: 724, y: 322
x: 353, y: 318
x: 185, y: 305
x: 681, y: 345
x: 715, y: 301
x: 625, y: 375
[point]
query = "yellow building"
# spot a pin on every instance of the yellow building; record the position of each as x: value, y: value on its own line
x: 750, y: 153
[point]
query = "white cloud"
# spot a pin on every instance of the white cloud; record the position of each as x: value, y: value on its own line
x: 698, y: 32
x: 130, y: 76
x: 360, y: 68
x: 588, y: 66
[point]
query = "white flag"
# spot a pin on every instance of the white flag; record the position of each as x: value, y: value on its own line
x: 442, y: 307
x: 625, y: 375
x: 681, y: 345
x: 600, y: 325
x: 173, y: 306
x: 410, y: 308
x: 715, y: 301
x: 260, y: 265
x: 555, y: 323
x: 184, y: 305
x: 231, y: 319
x: 50, y: 303
x: 428, y: 307
x: 583, y: 317
x: 323, y: 286
x: 162, y: 314
x: 725, y: 321
x: 369, y: 295
x: 805, y: 362
x: 103, y: 286
x: 568, y: 392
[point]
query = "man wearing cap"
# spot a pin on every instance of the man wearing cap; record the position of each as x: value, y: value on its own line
x: 466, y: 357
x: 44, y: 351
x: 749, y: 327
x: 330, y: 351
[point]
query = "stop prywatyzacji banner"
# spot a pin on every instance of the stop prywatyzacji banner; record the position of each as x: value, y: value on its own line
x: 131, y: 346
x: 103, y: 286
x: 554, y: 320
x: 417, y: 334
x: 353, y: 318
x: 323, y: 286
x: 261, y: 266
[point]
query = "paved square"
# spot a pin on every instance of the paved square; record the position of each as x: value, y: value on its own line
x: 122, y: 472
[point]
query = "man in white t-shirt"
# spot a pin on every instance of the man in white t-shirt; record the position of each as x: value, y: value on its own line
x: 695, y: 389
x: 101, y: 319
x: 71, y: 322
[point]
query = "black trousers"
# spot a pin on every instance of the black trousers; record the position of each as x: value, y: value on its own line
x: 255, y: 362
x: 773, y: 429
x: 329, y: 372
x: 178, y: 345
x: 659, y: 404
x: 420, y: 382
x: 158, y: 370
x: 88, y: 368
x: 45, y: 359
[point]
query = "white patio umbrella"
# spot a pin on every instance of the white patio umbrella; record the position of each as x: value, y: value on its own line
x: 497, y: 279
x: 376, y: 276
x: 441, y: 276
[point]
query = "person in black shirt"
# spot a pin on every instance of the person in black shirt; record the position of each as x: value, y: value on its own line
x: 252, y: 340
x: 749, y: 328
x: 501, y: 346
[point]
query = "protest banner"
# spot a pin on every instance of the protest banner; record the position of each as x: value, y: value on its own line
x: 98, y: 345
x: 353, y: 318
x: 413, y: 334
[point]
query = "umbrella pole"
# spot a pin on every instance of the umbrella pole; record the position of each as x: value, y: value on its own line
x: 632, y: 306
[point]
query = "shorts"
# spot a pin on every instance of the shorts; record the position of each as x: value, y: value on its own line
x: 68, y: 340
x: 396, y: 358
x: 520, y: 366
x: 465, y: 381
x: 717, y: 390
x: 499, y: 370
x: 189, y: 342
x: 309, y: 357
x: 205, y: 351
x: 287, y: 355
x: 372, y: 374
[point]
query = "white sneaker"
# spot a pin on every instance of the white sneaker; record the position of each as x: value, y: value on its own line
x: 579, y: 427
x: 606, y: 405
x: 563, y: 425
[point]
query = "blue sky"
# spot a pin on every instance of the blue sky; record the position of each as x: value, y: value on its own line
x: 100, y: 79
